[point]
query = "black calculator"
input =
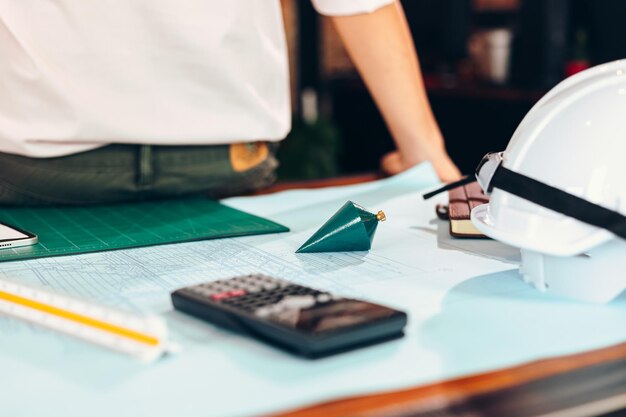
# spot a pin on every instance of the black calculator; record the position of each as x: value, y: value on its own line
x: 303, y: 320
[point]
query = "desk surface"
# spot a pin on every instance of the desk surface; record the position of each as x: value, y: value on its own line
x: 410, y: 402
x: 453, y: 332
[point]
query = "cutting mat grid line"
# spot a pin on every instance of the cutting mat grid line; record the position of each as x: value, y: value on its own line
x: 73, y: 230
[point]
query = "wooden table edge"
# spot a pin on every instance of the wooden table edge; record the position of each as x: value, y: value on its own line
x: 321, y: 183
x: 429, y: 396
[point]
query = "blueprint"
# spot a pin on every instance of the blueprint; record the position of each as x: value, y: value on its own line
x: 468, y: 312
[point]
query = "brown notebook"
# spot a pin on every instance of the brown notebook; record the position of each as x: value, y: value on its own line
x: 462, y: 200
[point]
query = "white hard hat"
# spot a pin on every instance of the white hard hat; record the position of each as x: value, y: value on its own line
x: 558, y: 191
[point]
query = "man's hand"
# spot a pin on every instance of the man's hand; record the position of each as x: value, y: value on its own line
x: 393, y: 163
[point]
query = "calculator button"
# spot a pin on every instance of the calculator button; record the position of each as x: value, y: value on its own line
x: 228, y: 294
x: 297, y: 302
x: 263, y: 312
x: 219, y: 297
x: 323, y: 298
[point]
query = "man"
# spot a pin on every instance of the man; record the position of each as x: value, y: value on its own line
x: 116, y: 100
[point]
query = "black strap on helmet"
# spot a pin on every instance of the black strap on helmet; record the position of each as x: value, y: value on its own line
x: 559, y: 201
x: 448, y: 187
x: 549, y: 197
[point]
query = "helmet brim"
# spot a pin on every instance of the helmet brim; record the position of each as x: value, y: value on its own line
x: 557, y: 244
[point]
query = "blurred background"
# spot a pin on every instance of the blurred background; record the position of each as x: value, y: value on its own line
x: 485, y: 63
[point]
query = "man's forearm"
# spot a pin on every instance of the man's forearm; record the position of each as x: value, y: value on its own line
x: 381, y: 47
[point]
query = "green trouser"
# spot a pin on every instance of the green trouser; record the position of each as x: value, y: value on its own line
x: 117, y: 173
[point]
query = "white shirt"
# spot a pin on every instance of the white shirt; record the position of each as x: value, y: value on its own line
x: 79, y: 74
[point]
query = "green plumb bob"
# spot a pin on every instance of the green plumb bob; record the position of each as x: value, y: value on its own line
x: 351, y: 228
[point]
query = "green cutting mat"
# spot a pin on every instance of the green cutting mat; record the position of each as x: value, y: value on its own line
x: 73, y: 230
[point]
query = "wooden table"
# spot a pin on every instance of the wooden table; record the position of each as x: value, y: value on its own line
x: 523, y: 379
x: 322, y: 183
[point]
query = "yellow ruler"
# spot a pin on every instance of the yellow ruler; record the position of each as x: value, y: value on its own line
x: 144, y: 337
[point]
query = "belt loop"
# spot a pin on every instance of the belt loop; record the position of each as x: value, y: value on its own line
x: 145, y: 171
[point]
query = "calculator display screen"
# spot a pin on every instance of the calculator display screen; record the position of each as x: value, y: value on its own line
x: 323, y: 317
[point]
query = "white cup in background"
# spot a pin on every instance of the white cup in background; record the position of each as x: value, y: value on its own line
x: 491, y: 50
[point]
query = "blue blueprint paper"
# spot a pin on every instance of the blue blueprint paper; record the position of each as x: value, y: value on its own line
x: 469, y: 312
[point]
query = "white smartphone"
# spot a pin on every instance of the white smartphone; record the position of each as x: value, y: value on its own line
x: 11, y: 237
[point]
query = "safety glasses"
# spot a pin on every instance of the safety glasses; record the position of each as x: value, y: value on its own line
x: 486, y: 170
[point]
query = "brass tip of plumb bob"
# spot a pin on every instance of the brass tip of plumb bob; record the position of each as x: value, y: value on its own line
x: 381, y: 216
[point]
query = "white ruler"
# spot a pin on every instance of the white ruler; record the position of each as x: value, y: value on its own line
x: 144, y: 337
